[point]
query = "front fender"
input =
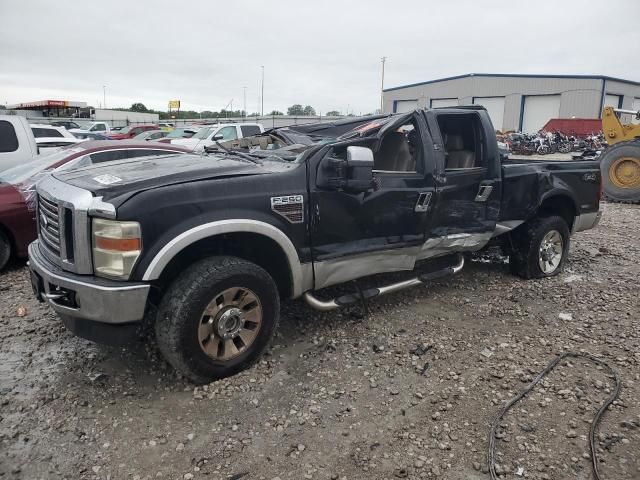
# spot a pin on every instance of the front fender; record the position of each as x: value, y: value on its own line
x: 233, y: 225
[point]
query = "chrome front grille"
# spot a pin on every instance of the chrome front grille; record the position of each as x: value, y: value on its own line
x: 49, y: 224
x: 64, y: 225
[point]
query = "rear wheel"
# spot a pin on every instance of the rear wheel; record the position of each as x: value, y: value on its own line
x: 5, y: 250
x: 540, y: 247
x: 217, y: 318
x: 565, y: 147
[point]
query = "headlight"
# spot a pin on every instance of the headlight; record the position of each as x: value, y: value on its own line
x: 116, y: 247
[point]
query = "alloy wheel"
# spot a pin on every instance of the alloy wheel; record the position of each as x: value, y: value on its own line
x: 230, y: 323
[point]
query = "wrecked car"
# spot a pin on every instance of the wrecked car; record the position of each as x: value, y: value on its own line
x: 204, y: 251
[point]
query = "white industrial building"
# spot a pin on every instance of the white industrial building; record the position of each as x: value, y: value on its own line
x: 519, y: 102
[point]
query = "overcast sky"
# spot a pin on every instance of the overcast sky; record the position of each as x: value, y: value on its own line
x: 323, y: 53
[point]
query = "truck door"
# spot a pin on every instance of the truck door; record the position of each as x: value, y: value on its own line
x: 468, y: 189
x: 380, y: 230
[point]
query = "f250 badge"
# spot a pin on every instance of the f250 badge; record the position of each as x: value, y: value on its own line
x: 290, y: 207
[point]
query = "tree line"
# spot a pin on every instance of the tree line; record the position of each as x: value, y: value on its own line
x: 294, y: 110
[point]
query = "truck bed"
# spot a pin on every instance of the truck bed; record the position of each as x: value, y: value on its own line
x: 528, y: 182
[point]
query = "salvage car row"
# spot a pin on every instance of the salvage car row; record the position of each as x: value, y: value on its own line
x: 196, y: 136
x: 30, y: 151
x: 17, y: 185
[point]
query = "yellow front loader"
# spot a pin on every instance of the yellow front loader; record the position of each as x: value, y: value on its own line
x: 620, y: 163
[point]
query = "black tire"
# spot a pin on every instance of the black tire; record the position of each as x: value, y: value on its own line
x: 181, y: 309
x: 611, y: 190
x: 526, y: 243
x: 5, y: 250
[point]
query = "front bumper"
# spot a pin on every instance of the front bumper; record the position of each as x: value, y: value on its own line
x: 86, y: 297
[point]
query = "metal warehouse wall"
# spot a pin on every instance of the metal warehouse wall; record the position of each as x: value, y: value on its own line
x: 580, y: 97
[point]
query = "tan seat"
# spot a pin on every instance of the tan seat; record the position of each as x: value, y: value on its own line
x: 457, y: 156
x: 394, y: 154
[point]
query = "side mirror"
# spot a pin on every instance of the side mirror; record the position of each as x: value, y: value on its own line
x: 353, y: 173
x: 217, y: 137
x: 359, y: 169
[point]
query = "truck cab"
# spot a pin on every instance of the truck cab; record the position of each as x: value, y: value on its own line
x: 102, y: 128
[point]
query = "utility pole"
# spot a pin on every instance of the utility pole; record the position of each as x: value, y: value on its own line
x: 384, y: 59
x: 104, y: 96
x: 244, y: 103
x: 262, y: 89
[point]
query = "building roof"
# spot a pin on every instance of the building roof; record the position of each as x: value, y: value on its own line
x: 521, y: 75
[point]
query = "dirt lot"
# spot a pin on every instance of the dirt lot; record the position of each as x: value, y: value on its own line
x: 406, y: 393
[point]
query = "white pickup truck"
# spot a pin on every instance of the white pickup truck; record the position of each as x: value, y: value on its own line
x: 209, y: 134
x: 18, y: 143
x: 96, y: 127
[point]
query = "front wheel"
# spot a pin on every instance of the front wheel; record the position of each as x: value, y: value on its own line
x: 542, y: 150
x: 620, y: 166
x: 217, y: 318
x: 539, y: 247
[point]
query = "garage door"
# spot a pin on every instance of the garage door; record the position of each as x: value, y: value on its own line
x: 495, y: 109
x: 614, y: 101
x: 403, y: 106
x: 444, y: 102
x: 538, y: 110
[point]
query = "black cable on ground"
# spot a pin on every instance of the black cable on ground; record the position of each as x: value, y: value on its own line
x: 528, y: 388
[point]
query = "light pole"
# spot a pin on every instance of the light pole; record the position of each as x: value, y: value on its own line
x: 104, y: 96
x: 244, y: 101
x: 384, y: 59
x: 262, y: 90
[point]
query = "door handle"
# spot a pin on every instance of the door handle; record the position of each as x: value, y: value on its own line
x: 422, y: 205
x: 483, y: 193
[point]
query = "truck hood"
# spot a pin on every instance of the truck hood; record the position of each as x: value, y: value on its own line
x: 127, y: 177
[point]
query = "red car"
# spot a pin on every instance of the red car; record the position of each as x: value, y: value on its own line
x: 131, y: 131
x: 17, y: 185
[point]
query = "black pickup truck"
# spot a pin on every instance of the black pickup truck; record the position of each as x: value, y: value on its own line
x: 204, y: 247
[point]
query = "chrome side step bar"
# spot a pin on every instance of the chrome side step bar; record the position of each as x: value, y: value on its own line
x: 352, y: 298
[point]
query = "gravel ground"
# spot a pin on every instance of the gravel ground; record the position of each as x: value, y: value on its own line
x: 407, y: 392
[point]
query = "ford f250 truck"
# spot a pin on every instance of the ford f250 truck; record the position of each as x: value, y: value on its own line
x: 204, y: 247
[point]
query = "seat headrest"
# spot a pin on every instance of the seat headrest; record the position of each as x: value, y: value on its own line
x: 454, y: 142
x: 394, y: 138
